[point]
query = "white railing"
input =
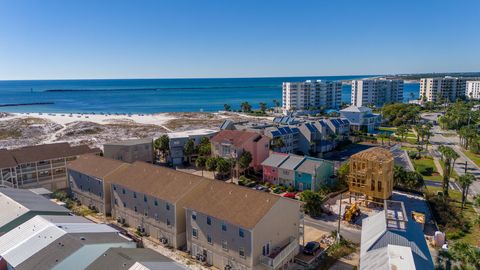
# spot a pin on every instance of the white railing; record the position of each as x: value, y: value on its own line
x: 275, y: 263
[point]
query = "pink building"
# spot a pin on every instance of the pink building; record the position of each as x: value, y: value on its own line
x: 232, y: 143
x: 270, y: 166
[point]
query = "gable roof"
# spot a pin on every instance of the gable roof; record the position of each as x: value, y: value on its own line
x: 292, y: 162
x: 125, y: 258
x: 377, y: 236
x: 354, y: 108
x: 95, y: 166
x: 235, y: 137
x: 131, y: 142
x: 309, y: 165
x: 275, y: 159
x: 234, y: 204
x: 157, y: 181
x: 49, y: 151
x: 6, y: 159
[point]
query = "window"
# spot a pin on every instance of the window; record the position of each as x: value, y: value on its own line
x: 224, y: 226
x: 134, y: 195
x: 168, y: 222
x: 195, y: 233
x: 145, y: 198
x: 266, y: 249
x: 379, y: 186
x: 155, y: 202
x: 241, y: 233
x: 135, y: 208
x: 116, y: 202
x: 224, y: 245
x: 241, y: 252
x: 145, y: 212
x: 168, y: 207
x: 124, y: 204
x: 114, y: 187
x: 209, y: 239
x: 209, y: 220
x: 157, y: 218
x: 123, y: 191
x: 194, y: 215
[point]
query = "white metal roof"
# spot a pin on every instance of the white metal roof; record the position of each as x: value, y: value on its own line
x: 195, y: 132
x: 157, y: 266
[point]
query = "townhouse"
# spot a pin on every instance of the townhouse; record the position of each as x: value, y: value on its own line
x: 57, y: 242
x: 130, y: 150
x: 232, y: 143
x: 151, y: 198
x: 303, y: 173
x: 20, y: 205
x: 233, y: 227
x: 392, y: 240
x: 87, y: 181
x: 39, y: 166
x: 283, y: 139
x: 179, y: 139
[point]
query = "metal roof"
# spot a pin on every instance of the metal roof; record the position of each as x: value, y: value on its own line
x: 376, y: 237
x: 354, y: 108
x: 275, y: 159
x: 309, y: 165
x: 131, y: 142
x: 125, y: 258
x: 157, y: 266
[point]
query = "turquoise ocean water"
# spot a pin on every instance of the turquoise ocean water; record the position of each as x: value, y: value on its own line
x: 153, y: 95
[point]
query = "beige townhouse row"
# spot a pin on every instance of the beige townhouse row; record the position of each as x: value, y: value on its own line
x: 220, y: 224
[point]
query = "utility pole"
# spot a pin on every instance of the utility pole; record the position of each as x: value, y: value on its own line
x: 339, y: 218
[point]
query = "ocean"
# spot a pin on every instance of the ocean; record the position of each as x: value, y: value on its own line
x: 153, y: 95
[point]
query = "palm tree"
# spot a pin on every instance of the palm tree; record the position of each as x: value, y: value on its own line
x: 246, y: 107
x: 449, y: 158
x: 465, y: 181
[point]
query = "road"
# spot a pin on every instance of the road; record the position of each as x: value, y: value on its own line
x: 451, y: 139
x: 328, y: 226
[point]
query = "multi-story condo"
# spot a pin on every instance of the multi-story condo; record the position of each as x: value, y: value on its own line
x: 20, y: 205
x: 233, y: 227
x: 371, y: 174
x: 152, y: 198
x: 130, y: 150
x: 58, y: 242
x: 39, y: 166
x: 473, y: 89
x: 376, y: 92
x: 283, y: 139
x: 306, y: 173
x: 392, y: 240
x: 361, y: 118
x: 446, y: 89
x: 179, y: 139
x: 308, y: 95
x: 88, y: 182
x: 232, y: 143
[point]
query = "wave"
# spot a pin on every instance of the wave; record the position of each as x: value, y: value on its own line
x: 162, y: 88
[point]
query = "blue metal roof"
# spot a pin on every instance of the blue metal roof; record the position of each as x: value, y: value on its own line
x: 311, y: 127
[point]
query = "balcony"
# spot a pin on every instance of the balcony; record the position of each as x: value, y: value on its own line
x: 279, y: 255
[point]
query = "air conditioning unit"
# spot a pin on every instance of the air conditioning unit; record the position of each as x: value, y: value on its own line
x: 201, y: 258
x: 227, y: 267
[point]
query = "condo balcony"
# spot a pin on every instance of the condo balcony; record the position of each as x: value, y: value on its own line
x: 280, y: 254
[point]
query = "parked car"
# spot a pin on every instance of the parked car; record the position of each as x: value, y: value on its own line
x: 311, y: 248
x: 290, y: 195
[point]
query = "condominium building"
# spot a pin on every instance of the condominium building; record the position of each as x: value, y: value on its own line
x: 130, y: 150
x: 473, y: 89
x: 58, y: 242
x: 39, y: 166
x: 392, y: 240
x: 151, y: 198
x: 233, y: 227
x: 19, y: 205
x: 179, y: 139
x: 88, y: 183
x: 371, y: 174
x: 376, y: 92
x: 299, y: 96
x: 446, y: 89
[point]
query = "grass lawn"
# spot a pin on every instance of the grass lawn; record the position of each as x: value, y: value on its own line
x: 474, y: 157
x: 454, y: 174
x: 391, y: 129
x: 421, y: 164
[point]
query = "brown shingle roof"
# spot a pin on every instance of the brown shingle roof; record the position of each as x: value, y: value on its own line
x: 235, y: 137
x: 95, y: 166
x: 235, y: 204
x: 49, y: 151
x: 6, y: 159
x: 159, y: 182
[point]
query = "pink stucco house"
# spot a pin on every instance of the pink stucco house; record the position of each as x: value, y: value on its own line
x: 232, y: 143
x: 270, y: 166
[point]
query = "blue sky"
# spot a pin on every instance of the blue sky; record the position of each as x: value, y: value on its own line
x: 46, y: 39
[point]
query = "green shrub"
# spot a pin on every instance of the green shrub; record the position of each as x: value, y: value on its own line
x: 427, y: 171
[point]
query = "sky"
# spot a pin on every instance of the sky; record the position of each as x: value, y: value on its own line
x: 91, y: 39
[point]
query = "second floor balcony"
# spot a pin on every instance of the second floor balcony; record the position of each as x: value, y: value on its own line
x: 280, y: 254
